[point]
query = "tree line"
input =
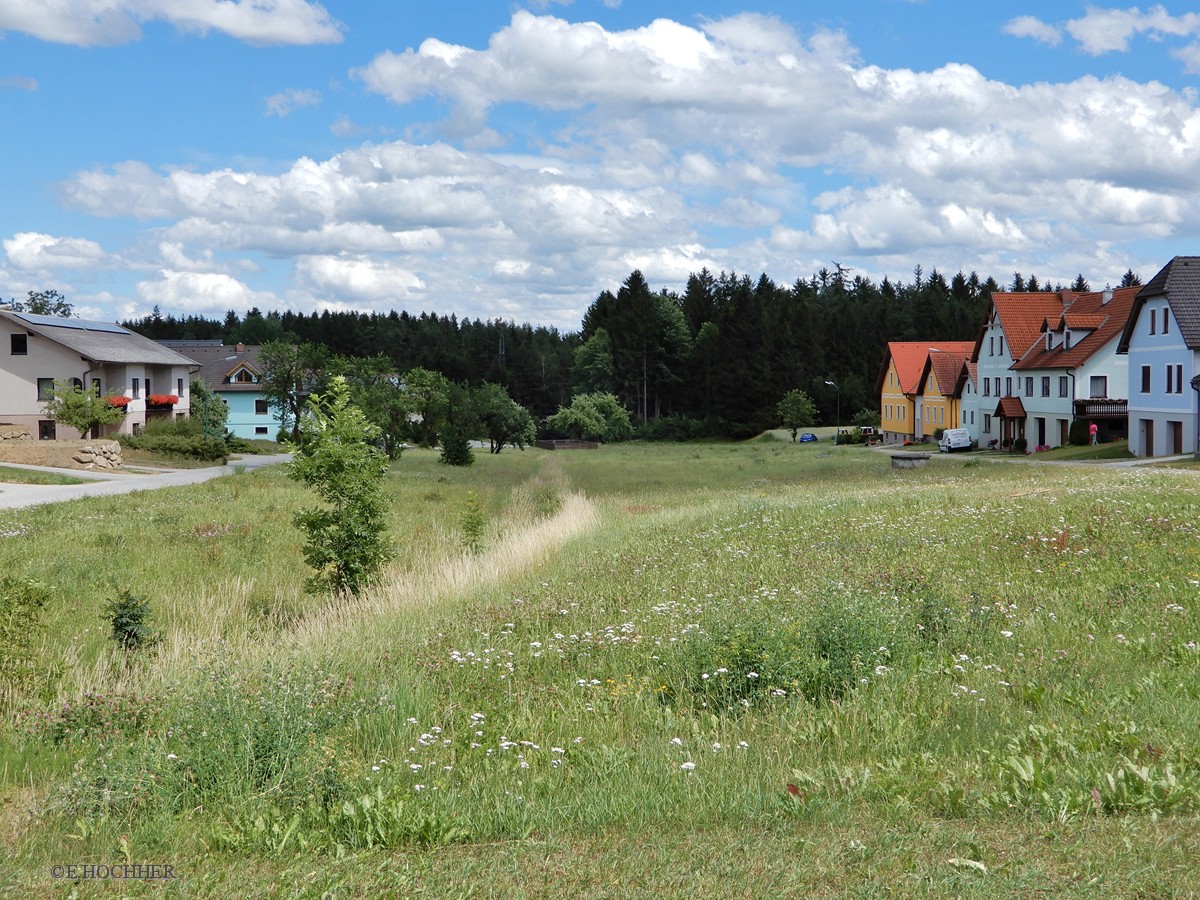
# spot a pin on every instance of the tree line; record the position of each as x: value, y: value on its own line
x: 715, y: 359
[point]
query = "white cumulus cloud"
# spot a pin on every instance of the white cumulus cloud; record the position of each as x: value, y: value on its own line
x: 87, y: 23
x: 1035, y: 28
x: 43, y: 252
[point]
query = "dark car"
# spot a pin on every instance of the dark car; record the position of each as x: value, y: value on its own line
x: 807, y: 438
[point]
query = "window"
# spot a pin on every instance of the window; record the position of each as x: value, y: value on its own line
x: 1166, y: 328
x: 1045, y: 385
x: 20, y: 345
x: 148, y: 391
x: 996, y: 385
x: 1099, y: 386
x: 987, y: 390
x: 1008, y: 386
x: 987, y: 423
x: 991, y: 346
x: 260, y: 407
x: 1062, y: 385
x: 1001, y: 345
x: 179, y: 387
x: 47, y: 430
x: 972, y: 417
x: 1028, y: 385
x: 1170, y: 376
x: 137, y: 388
x: 260, y: 429
x: 1154, y: 321
x: 96, y: 387
x: 45, y: 388
x: 1145, y: 379
x: 1179, y: 379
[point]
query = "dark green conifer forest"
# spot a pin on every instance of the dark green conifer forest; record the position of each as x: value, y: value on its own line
x: 713, y: 360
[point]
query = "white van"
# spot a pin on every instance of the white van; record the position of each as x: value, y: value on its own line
x: 954, y: 439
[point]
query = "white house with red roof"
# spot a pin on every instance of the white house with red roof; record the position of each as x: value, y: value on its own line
x: 1073, y: 370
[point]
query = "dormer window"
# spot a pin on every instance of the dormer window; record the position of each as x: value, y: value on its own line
x: 1067, y: 339
x: 243, y: 375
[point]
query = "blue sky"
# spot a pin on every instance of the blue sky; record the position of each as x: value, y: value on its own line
x: 498, y: 160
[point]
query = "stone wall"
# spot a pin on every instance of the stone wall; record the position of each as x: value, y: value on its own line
x: 98, y: 454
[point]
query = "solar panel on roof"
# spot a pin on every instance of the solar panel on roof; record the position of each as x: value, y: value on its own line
x: 77, y: 324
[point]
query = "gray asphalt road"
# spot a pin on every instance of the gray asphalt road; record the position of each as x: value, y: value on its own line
x: 101, y: 484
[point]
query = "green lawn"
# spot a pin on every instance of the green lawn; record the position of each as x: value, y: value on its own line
x: 760, y: 669
x: 16, y: 475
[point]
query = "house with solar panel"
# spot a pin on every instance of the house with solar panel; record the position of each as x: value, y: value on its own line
x: 143, y: 377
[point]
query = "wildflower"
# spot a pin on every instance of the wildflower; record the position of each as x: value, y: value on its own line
x: 687, y: 766
x: 418, y: 787
x: 677, y: 742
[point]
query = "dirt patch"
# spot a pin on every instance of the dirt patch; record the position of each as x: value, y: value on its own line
x: 63, y: 454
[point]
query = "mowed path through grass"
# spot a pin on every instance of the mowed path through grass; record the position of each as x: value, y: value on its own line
x: 730, y: 670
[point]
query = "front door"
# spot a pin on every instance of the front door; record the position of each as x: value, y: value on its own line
x: 1176, y: 437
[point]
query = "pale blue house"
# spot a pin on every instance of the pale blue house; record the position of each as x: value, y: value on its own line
x: 1162, y: 340
x: 232, y: 372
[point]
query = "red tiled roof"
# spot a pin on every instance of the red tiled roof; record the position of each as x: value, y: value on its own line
x: 1022, y: 316
x: 946, y: 360
x: 910, y: 358
x: 1010, y: 408
x: 1104, y: 321
x: 1082, y: 321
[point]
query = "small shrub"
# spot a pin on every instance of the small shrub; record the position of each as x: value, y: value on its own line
x: 1019, y: 445
x: 127, y: 615
x: 456, y: 448
x: 208, y: 449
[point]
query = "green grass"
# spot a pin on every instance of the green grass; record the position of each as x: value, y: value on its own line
x: 15, y: 475
x: 1110, y: 450
x: 761, y: 669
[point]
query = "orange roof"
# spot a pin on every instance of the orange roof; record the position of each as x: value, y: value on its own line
x: 1082, y: 321
x: 1022, y: 316
x: 1103, y: 320
x: 910, y: 357
x: 946, y: 361
x: 1010, y: 408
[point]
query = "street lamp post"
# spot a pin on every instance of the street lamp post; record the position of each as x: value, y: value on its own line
x: 837, y: 430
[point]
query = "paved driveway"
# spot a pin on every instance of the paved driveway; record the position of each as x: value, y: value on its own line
x: 102, y: 484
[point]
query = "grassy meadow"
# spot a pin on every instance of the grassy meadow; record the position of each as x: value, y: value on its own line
x: 764, y: 669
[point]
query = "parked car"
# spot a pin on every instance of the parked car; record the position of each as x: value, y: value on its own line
x: 807, y: 438
x: 954, y: 439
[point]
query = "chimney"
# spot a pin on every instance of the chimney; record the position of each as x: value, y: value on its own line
x: 1105, y: 298
x: 241, y: 348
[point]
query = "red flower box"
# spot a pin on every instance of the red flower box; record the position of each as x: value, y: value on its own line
x: 118, y: 400
x: 162, y: 399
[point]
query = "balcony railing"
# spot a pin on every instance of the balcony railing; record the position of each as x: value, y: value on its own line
x: 1101, y: 408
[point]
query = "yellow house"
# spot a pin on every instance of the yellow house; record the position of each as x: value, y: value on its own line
x: 939, y: 391
x: 904, y: 387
